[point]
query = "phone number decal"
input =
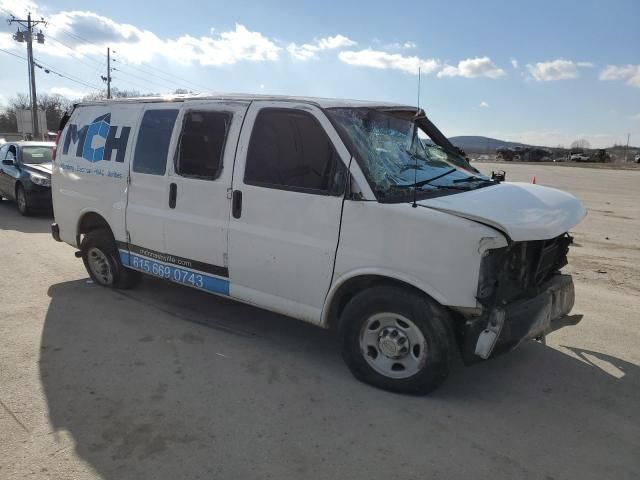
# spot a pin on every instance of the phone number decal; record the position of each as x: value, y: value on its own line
x: 175, y: 274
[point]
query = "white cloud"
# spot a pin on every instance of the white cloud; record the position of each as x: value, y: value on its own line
x: 514, y: 63
x: 629, y: 73
x: 20, y: 7
x: 484, y: 104
x: 134, y: 45
x: 473, y: 67
x: 559, y: 69
x: 68, y: 92
x: 227, y: 48
x: 384, y: 60
x: 399, y: 46
x: 636, y: 116
x: 7, y: 42
x: 307, y: 51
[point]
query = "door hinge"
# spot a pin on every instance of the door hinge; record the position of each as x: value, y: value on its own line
x: 225, y: 260
x: 229, y: 193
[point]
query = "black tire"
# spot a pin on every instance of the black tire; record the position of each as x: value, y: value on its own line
x: 22, y: 199
x: 433, y: 321
x: 98, y: 246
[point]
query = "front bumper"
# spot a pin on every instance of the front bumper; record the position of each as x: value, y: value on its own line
x: 503, y: 328
x: 39, y: 197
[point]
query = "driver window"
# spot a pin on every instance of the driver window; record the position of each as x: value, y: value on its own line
x: 290, y: 150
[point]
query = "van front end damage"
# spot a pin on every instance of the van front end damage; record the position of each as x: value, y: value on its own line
x: 523, y: 295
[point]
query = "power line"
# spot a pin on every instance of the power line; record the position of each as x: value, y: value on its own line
x: 48, y: 69
x: 161, y: 76
x: 82, y: 55
x: 173, y: 87
x: 15, y: 55
x: 168, y: 76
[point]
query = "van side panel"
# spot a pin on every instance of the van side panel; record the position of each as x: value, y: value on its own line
x: 436, y: 252
x: 92, y: 165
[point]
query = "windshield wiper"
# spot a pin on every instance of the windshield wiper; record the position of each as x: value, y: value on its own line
x: 472, y: 179
x: 428, y: 180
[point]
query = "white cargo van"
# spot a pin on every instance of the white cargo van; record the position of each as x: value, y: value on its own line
x: 358, y: 216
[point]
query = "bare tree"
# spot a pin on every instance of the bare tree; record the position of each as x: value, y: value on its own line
x: 54, y: 106
x: 580, y: 144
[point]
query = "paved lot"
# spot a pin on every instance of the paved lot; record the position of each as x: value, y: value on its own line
x: 166, y: 383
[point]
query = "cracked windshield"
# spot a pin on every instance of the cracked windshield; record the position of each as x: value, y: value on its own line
x: 397, y: 156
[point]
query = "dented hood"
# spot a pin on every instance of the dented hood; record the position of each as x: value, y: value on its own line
x: 521, y: 210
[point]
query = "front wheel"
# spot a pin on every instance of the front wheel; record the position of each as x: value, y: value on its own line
x: 23, y: 201
x: 397, y: 340
x: 102, y: 261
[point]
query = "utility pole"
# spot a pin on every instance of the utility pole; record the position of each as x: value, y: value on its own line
x: 626, y: 148
x: 107, y: 79
x: 21, y: 36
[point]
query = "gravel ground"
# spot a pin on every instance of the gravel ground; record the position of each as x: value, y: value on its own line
x: 165, y: 382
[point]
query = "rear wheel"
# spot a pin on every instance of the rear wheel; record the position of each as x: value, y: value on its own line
x: 102, y: 261
x: 397, y: 340
x: 23, y: 201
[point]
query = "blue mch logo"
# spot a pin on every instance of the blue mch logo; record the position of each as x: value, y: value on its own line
x: 98, y: 140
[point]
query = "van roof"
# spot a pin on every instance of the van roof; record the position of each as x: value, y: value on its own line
x: 318, y: 101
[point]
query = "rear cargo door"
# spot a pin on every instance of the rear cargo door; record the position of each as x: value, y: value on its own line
x: 197, y: 212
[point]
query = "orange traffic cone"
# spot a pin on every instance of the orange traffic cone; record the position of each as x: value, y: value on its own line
x: 533, y: 180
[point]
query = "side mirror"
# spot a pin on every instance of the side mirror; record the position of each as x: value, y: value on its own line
x: 8, y: 161
x: 498, y: 176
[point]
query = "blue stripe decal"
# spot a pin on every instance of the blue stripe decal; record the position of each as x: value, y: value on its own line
x: 184, y: 276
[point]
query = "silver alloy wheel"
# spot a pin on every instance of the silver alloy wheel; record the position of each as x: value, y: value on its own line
x: 393, y: 345
x: 22, y: 200
x: 100, y: 266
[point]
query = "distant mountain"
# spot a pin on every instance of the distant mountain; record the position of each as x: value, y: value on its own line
x: 470, y: 143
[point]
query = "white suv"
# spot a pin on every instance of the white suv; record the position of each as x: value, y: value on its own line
x: 329, y: 211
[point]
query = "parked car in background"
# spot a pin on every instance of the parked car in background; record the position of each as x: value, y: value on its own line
x: 637, y: 158
x: 578, y: 157
x: 25, y: 174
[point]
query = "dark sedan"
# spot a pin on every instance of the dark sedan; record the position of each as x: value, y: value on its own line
x: 25, y: 174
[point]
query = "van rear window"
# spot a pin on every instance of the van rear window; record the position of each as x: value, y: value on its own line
x: 152, y: 146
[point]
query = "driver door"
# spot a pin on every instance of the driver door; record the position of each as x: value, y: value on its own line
x: 288, y: 186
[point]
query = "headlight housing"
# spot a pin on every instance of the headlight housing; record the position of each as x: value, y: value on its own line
x: 40, y: 180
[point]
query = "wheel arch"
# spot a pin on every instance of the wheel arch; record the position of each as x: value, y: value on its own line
x: 17, y: 185
x: 347, y: 286
x: 91, y: 220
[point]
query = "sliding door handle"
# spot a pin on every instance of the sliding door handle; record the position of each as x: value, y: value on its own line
x: 236, y: 204
x: 173, y: 194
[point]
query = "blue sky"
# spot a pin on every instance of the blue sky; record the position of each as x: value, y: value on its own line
x: 544, y: 72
